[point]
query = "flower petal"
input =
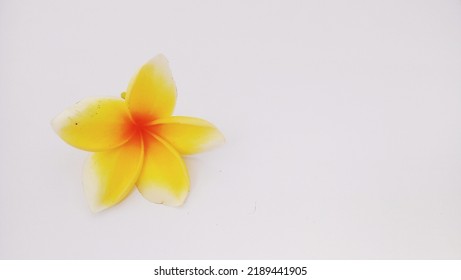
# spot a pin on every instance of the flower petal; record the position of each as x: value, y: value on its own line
x: 186, y: 134
x: 109, y: 176
x: 152, y: 92
x: 95, y: 124
x: 164, y: 178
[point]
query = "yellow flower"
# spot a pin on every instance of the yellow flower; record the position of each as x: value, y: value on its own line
x: 136, y: 141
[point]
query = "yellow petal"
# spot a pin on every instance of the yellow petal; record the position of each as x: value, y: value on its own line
x: 152, y: 92
x: 95, y: 124
x: 109, y: 176
x: 164, y: 178
x: 187, y: 135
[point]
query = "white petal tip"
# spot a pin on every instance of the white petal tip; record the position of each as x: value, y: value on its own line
x: 57, y: 123
x: 160, y: 61
x: 97, y: 208
x: 159, y: 195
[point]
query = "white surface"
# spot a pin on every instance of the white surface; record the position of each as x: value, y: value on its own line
x: 342, y: 121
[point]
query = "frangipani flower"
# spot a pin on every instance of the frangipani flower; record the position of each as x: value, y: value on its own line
x: 136, y: 141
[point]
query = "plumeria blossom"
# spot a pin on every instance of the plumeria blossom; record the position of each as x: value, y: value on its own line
x: 136, y: 141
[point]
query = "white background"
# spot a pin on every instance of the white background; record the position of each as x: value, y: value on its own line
x: 342, y: 121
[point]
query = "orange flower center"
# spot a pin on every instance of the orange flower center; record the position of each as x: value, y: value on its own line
x: 140, y: 125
